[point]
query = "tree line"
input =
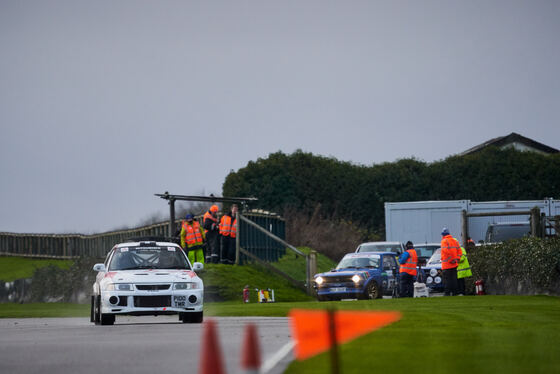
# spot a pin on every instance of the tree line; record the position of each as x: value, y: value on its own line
x: 355, y: 193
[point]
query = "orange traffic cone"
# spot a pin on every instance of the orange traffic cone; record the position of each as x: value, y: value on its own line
x: 211, y: 355
x: 251, y: 355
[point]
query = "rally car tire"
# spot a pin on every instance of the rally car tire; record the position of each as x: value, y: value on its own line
x: 92, y: 311
x: 97, y: 309
x: 107, y: 319
x: 322, y: 298
x: 101, y: 318
x: 191, y: 317
x: 372, y: 291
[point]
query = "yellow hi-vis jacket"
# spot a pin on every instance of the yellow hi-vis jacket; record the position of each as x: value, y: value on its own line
x: 464, y: 269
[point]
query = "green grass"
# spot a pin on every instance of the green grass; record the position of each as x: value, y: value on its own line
x: 12, y: 268
x: 43, y: 310
x: 226, y: 282
x: 491, y: 334
x: 295, y: 265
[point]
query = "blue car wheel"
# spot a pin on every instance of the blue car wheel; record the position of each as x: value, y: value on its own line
x: 372, y: 291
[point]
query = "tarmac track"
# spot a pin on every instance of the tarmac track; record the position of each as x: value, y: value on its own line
x: 133, y: 345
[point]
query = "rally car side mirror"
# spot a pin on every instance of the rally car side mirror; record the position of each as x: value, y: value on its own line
x: 198, y: 266
x: 99, y: 267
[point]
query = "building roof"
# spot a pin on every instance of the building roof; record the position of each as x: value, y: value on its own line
x: 512, y: 140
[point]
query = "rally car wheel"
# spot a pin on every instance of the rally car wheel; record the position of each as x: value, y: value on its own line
x: 107, y: 319
x: 372, y: 291
x: 92, y: 311
x: 97, y: 309
x: 101, y: 318
x: 191, y: 317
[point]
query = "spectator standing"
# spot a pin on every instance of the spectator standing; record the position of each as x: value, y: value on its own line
x: 463, y: 271
x: 450, y: 250
x: 228, y: 234
x: 211, y: 230
x: 192, y: 239
x: 408, y: 261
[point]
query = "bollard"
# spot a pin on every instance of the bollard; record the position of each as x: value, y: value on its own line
x: 251, y: 355
x: 246, y: 294
x: 211, y: 355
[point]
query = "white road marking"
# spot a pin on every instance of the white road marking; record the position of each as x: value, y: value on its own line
x: 277, y: 357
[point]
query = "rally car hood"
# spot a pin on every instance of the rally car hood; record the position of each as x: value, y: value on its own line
x: 152, y: 275
x: 345, y: 272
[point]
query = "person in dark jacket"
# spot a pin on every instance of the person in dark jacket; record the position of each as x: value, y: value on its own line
x: 228, y: 233
x: 212, y: 233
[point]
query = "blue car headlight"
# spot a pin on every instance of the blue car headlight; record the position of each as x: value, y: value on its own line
x: 356, y: 278
x: 319, y: 280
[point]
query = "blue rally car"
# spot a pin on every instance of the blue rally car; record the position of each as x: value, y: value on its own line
x: 363, y: 275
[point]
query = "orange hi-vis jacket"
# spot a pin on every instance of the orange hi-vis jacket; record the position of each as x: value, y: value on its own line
x: 410, y: 265
x: 192, y: 233
x: 227, y: 228
x: 450, y: 252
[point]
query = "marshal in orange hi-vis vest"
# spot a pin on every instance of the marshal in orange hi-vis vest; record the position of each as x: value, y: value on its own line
x: 410, y: 265
x: 227, y: 227
x: 310, y: 328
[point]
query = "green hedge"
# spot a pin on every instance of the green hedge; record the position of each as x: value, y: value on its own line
x: 525, y: 266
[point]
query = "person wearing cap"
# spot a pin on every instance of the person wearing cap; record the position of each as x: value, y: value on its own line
x: 211, y: 229
x: 192, y: 239
x: 450, y: 255
x: 408, y: 260
x: 228, y: 233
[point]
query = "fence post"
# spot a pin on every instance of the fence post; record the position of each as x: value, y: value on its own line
x: 464, y: 227
x: 535, y: 217
x: 171, y: 217
x: 311, y: 270
x: 237, y: 233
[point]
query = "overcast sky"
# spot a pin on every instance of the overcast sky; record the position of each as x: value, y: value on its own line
x: 104, y: 103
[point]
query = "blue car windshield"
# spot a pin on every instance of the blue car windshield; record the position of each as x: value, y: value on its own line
x: 379, y: 247
x: 358, y: 262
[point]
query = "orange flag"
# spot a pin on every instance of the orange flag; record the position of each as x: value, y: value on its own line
x: 310, y: 328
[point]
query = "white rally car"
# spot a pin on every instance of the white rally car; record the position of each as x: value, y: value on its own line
x: 147, y: 278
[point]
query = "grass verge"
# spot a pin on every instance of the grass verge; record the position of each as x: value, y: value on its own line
x: 226, y: 282
x: 12, y: 268
x: 43, y: 310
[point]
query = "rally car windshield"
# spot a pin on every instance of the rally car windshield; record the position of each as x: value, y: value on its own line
x: 148, y: 258
x: 436, y: 258
x: 426, y: 250
x: 358, y: 262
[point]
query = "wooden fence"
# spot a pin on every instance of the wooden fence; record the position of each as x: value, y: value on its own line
x: 98, y: 245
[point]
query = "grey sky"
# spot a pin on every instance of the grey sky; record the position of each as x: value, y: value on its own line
x: 104, y: 103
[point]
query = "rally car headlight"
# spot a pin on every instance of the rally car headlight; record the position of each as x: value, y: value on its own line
x: 433, y: 272
x: 429, y: 280
x: 118, y: 287
x: 185, y: 286
x: 437, y: 280
x: 319, y: 280
x: 356, y: 278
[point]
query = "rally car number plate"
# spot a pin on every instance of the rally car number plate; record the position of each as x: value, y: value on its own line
x: 179, y: 301
x: 338, y: 289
